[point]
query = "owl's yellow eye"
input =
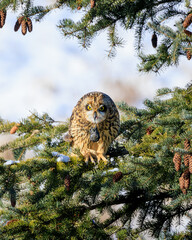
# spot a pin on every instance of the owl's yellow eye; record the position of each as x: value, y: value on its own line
x: 102, y: 108
x: 88, y: 107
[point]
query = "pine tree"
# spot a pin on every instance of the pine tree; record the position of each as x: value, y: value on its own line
x: 56, y: 195
x: 167, y: 19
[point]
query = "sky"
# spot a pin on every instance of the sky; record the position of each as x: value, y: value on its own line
x: 44, y: 72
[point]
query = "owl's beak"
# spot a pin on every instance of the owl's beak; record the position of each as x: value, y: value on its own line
x: 95, y: 116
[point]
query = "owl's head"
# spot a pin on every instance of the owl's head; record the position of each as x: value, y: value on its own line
x: 96, y: 107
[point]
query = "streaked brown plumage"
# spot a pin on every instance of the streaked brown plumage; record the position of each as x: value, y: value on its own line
x: 95, y: 113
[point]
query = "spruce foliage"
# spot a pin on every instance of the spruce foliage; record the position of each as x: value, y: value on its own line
x: 139, y: 189
x: 169, y: 20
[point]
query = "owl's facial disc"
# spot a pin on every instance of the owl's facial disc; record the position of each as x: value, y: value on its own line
x: 96, y: 114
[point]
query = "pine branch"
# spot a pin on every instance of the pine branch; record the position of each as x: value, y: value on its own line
x: 141, y: 16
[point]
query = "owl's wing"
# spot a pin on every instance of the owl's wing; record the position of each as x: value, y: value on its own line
x: 67, y: 137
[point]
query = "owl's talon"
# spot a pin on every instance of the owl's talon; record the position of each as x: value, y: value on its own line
x: 87, y: 157
x: 92, y: 160
x: 86, y: 160
x: 100, y: 156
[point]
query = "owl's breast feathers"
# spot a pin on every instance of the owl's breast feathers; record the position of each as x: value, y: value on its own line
x: 80, y: 129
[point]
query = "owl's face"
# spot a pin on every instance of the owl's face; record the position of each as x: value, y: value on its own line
x: 95, y: 109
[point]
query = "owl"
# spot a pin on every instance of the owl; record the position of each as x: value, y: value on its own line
x: 94, y: 124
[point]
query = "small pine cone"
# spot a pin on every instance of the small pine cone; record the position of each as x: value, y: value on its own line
x: 13, y: 202
x: 177, y: 161
x: 23, y: 27
x: 92, y: 3
x: 3, y: 15
x: 184, y: 181
x: 186, y: 158
x: 11, y: 221
x: 188, y: 54
x: 190, y: 164
x: 149, y: 130
x: 187, y: 20
x: 13, y: 129
x: 12, y: 197
x: 117, y: 176
x: 18, y: 24
x: 186, y: 174
x: 154, y: 40
x: 79, y: 7
x: 188, y: 33
x: 67, y: 182
x: 187, y: 144
x: 29, y: 25
x: 186, y: 177
x: 181, y: 182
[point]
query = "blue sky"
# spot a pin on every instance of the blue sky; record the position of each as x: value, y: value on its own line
x: 44, y: 72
